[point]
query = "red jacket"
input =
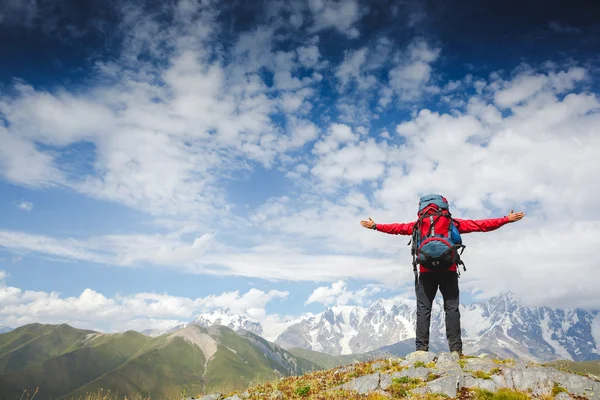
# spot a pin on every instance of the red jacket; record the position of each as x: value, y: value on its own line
x: 464, y: 226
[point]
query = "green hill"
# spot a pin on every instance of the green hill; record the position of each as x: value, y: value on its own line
x: 65, y: 362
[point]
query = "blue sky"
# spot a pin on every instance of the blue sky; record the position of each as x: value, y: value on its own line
x: 188, y: 156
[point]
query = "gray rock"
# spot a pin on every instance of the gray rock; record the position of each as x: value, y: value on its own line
x: 245, y: 395
x: 363, y: 384
x: 447, y: 385
x: 447, y: 358
x: 480, y: 364
x: 214, y: 396
x: 486, y: 384
x: 277, y: 395
x: 540, y: 380
x: 563, y: 396
x: 448, y: 362
x: 411, y: 372
x: 423, y: 356
x: 385, y: 380
x: 234, y: 397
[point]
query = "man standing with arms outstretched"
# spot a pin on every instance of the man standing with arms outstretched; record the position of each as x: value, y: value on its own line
x: 436, y: 241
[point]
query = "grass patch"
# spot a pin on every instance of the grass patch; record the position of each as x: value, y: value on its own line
x: 502, y: 394
x: 432, y: 376
x: 495, y: 371
x: 418, y: 364
x: 402, y: 386
x: 430, y: 365
x: 462, y: 363
x: 556, y: 389
x: 508, y: 361
x: 481, y: 375
x: 302, y: 390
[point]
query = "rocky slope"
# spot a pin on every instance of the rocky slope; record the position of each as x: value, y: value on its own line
x: 430, y: 376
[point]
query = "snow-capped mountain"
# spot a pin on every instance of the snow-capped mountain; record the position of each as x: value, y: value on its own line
x: 500, y: 325
x: 5, y: 329
x: 161, y: 331
x: 223, y: 316
x: 230, y: 319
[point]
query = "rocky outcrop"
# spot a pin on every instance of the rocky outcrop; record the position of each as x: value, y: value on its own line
x: 424, y: 373
x: 451, y: 374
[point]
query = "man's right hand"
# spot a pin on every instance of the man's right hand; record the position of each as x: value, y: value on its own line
x: 513, y: 217
x: 368, y: 224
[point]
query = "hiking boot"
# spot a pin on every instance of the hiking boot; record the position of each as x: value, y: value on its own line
x: 458, y: 353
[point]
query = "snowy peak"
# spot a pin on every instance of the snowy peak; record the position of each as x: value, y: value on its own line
x: 500, y: 325
x: 229, y: 319
x: 154, y: 332
x: 5, y: 329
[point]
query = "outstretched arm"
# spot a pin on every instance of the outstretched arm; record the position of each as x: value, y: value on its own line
x: 487, y: 225
x: 392, y: 229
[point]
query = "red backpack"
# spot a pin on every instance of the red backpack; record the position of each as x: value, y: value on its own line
x: 436, y: 240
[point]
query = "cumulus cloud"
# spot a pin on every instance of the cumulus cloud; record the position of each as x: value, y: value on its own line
x: 339, y: 14
x: 410, y: 78
x: 338, y: 294
x: 139, y: 311
x: 25, y: 205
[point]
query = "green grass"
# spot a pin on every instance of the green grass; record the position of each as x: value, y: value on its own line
x: 401, y: 387
x: 556, y: 389
x: 481, y: 375
x: 302, y: 391
x: 502, y: 394
x: 33, y: 344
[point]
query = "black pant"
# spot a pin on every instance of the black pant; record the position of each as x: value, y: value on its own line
x: 426, y: 288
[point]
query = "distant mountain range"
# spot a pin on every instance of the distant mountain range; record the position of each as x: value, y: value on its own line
x: 65, y: 362
x: 499, y: 325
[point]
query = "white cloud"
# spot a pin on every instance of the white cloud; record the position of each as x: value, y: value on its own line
x: 25, y: 205
x: 350, y: 68
x: 309, y: 56
x: 410, y: 78
x: 339, y: 14
x: 136, y: 311
x: 528, y: 84
x: 338, y: 294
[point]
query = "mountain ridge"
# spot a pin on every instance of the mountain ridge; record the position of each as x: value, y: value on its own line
x: 500, y: 325
x: 65, y: 362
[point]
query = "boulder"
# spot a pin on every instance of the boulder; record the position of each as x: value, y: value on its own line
x: 423, y: 356
x: 363, y: 384
x: 411, y: 372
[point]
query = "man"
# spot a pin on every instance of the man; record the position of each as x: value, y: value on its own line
x: 446, y: 279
